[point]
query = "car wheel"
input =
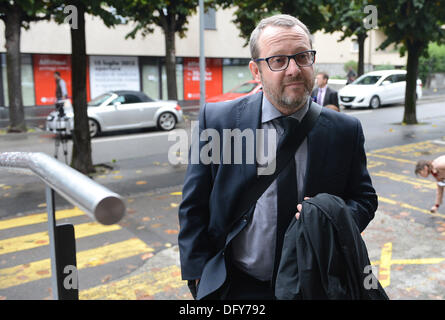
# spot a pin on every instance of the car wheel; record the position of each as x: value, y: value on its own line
x: 375, y: 102
x: 94, y: 128
x: 167, y: 121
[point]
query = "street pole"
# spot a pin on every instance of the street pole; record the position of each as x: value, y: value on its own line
x: 202, y: 63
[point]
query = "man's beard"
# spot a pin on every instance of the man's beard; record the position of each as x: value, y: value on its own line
x: 284, y: 101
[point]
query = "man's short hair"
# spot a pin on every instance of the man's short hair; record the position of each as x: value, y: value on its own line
x: 57, y: 72
x: 325, y: 75
x: 420, y: 165
x: 280, y: 20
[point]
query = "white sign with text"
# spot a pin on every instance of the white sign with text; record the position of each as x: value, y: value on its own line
x: 113, y: 73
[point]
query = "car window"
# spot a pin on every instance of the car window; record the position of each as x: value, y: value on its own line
x: 119, y: 99
x: 400, y: 77
x: 245, y: 87
x: 99, y: 100
x: 364, y: 80
x: 391, y: 78
x: 130, y: 98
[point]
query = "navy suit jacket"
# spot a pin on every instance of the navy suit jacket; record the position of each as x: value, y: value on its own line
x: 330, y: 97
x: 209, y: 214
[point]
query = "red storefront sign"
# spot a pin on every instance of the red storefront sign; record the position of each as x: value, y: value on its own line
x: 44, y: 83
x: 213, y: 78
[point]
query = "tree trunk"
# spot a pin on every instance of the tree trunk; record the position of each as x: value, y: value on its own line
x: 361, y: 53
x: 13, y: 22
x: 414, y: 50
x: 170, y: 59
x: 81, y: 159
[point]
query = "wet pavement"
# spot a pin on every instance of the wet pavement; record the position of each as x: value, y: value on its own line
x: 406, y: 243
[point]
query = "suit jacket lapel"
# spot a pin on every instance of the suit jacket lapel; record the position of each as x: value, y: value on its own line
x: 249, y: 117
x: 317, y: 138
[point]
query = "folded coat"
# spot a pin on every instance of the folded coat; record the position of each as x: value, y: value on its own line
x: 324, y: 255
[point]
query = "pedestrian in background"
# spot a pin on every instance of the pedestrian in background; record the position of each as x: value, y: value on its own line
x: 437, y: 169
x: 323, y: 95
x: 61, y: 91
x: 351, y: 75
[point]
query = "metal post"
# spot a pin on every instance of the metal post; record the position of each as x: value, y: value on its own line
x: 50, y: 205
x: 62, y: 244
x: 202, y: 62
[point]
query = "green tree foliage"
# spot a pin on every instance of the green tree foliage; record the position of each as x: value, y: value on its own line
x: 171, y: 16
x: 412, y: 24
x: 434, y: 61
x: 348, y: 16
x: 17, y: 14
x: 249, y: 12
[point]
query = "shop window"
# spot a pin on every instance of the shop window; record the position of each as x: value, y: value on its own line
x: 150, y: 80
x: 179, y: 82
x: 27, y: 80
x: 235, y: 72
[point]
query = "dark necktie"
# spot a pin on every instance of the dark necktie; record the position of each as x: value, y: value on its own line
x: 287, y: 195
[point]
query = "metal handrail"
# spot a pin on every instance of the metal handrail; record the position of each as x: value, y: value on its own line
x: 97, y: 201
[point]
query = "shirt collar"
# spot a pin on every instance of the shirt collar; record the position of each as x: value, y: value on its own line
x: 269, y: 112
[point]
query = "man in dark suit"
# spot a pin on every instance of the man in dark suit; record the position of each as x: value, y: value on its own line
x: 227, y: 252
x: 323, y: 95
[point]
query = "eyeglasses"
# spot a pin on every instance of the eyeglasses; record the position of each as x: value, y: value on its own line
x: 281, y: 62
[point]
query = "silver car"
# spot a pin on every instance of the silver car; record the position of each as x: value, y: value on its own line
x: 118, y: 110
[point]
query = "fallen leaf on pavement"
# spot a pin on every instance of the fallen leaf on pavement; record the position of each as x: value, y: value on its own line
x: 106, y: 278
x: 147, y: 256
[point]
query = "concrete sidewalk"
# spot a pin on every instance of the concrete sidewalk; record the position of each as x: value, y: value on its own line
x: 408, y: 257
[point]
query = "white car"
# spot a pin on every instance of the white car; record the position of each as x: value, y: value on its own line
x: 376, y: 88
x: 118, y: 110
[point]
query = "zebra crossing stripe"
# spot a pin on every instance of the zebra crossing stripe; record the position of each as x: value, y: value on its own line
x: 38, y: 218
x: 38, y: 239
x: 41, y: 269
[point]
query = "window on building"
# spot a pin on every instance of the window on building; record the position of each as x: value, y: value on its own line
x: 28, y: 95
x: 354, y: 46
x: 210, y: 19
x: 235, y: 72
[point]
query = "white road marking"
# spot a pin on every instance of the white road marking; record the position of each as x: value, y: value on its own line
x: 130, y: 137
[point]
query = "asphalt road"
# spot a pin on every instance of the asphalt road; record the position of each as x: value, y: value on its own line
x: 138, y: 258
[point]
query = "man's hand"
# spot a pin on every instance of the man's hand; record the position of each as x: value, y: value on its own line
x: 299, y: 207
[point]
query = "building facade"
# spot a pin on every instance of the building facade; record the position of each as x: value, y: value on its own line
x: 115, y: 62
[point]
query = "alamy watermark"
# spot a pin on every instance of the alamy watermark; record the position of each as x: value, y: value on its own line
x: 249, y: 146
x: 71, y: 281
x: 71, y: 16
x: 370, y: 21
x: 370, y: 281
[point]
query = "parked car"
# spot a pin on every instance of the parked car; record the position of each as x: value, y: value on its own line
x: 244, y: 89
x: 117, y: 110
x: 377, y: 88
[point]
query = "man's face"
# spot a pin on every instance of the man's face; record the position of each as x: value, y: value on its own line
x: 321, y: 81
x: 289, y: 89
x: 424, y: 172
